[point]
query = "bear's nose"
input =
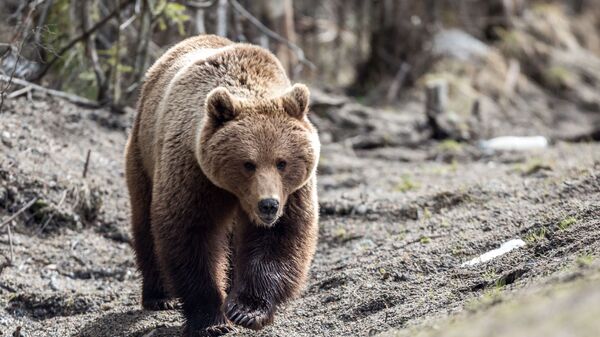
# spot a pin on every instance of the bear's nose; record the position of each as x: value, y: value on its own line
x: 268, y: 206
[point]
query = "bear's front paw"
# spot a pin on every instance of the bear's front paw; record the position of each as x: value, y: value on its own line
x: 249, y: 316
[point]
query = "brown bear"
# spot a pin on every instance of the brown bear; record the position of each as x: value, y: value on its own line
x: 221, y: 170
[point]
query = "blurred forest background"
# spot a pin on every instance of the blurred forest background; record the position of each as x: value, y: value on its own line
x: 99, y: 49
x: 484, y: 68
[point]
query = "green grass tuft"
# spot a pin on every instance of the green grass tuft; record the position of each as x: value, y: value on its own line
x: 566, y: 223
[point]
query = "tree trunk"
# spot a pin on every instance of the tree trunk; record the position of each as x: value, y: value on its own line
x: 222, y: 18
x: 399, y: 35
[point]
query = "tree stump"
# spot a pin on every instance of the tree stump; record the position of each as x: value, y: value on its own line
x: 436, y: 101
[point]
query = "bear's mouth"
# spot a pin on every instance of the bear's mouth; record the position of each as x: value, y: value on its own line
x: 268, y: 220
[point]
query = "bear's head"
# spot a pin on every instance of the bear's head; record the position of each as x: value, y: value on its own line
x: 259, y: 150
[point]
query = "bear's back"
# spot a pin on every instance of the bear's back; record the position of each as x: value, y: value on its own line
x: 156, y: 81
x: 176, y: 85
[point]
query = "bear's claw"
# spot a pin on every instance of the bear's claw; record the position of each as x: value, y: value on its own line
x: 219, y: 330
x: 211, y: 331
x: 160, y: 304
x: 247, y: 317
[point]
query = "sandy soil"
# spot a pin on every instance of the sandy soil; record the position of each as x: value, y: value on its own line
x: 397, y: 223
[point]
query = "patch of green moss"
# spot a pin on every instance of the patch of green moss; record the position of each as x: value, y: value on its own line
x: 566, y: 223
x: 537, y: 236
x: 557, y: 77
x: 450, y: 145
x: 585, y: 260
x: 425, y: 240
x: 406, y: 184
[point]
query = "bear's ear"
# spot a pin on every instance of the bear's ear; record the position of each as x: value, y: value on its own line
x: 221, y: 106
x: 295, y: 101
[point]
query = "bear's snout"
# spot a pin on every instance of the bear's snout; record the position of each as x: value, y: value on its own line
x: 267, y: 209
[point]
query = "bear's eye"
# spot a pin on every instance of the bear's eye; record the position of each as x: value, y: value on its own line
x: 249, y: 166
x: 281, y: 165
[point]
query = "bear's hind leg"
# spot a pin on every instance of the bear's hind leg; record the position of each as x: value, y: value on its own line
x: 154, y: 294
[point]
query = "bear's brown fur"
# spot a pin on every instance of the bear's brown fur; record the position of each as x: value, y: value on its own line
x: 219, y: 131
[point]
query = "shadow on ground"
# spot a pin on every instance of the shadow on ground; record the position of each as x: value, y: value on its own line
x: 127, y: 324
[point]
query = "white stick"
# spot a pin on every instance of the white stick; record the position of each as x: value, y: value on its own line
x: 492, y: 254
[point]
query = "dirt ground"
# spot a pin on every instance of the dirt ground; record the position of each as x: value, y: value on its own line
x: 397, y: 223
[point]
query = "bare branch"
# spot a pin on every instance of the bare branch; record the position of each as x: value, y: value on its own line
x: 398, y: 82
x: 19, y: 92
x: 42, y: 21
x: 69, y: 97
x: 128, y: 22
x: 10, y: 79
x: 17, y: 213
x: 83, y: 36
x: 22, y: 32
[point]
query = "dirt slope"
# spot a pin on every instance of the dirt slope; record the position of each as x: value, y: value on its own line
x: 397, y: 223
x: 564, y: 309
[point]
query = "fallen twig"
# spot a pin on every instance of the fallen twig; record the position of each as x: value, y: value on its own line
x: 398, y: 82
x: 150, y: 334
x: 19, y: 92
x: 87, y: 163
x: 10, y: 242
x: 69, y: 97
x: 419, y: 239
x: 23, y: 209
x: 297, y: 50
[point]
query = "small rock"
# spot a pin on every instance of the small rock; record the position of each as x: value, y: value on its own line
x: 3, y: 196
x: 330, y: 299
x: 399, y: 277
x: 361, y: 209
x: 513, y: 143
x: 5, y: 136
x: 459, y: 44
x: 54, y: 285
